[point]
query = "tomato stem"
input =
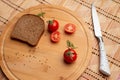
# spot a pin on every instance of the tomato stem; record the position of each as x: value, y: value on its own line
x: 51, y: 22
x: 41, y: 14
x: 70, y: 45
x: 70, y: 54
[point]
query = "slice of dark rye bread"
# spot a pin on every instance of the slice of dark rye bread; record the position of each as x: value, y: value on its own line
x: 29, y: 28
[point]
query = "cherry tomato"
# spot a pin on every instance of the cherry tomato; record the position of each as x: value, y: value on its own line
x: 70, y: 55
x: 70, y: 28
x: 53, y: 25
x: 55, y: 36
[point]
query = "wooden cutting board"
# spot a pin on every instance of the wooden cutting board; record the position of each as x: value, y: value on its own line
x: 45, y: 61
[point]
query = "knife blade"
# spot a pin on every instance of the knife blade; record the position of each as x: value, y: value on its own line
x: 104, y: 65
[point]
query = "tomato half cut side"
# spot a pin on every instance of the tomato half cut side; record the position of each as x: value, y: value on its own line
x: 55, y: 36
x: 70, y: 28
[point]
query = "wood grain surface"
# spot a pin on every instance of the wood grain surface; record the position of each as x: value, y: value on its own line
x: 20, y: 61
x: 109, y: 16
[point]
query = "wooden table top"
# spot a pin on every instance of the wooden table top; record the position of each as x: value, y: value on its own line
x: 109, y: 15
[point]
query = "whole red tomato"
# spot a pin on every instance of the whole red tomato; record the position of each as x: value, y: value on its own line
x: 53, y: 25
x: 70, y: 55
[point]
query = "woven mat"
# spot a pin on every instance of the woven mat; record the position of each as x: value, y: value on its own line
x: 109, y: 15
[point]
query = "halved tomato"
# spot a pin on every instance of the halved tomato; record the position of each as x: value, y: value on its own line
x: 70, y: 28
x: 55, y: 36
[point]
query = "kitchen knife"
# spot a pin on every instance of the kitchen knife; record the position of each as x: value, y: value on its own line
x: 104, y: 66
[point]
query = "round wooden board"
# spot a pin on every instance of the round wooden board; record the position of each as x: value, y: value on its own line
x: 45, y: 61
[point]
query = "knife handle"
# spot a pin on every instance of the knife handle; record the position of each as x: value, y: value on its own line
x: 104, y: 65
